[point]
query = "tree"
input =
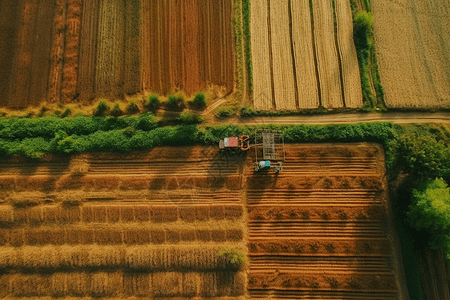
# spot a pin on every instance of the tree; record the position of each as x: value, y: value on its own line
x: 430, y: 212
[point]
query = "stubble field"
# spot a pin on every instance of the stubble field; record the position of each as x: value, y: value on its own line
x: 77, y: 50
x: 300, y: 60
x: 413, y: 52
x: 150, y: 224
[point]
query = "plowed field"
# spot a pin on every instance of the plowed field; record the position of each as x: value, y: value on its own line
x: 150, y: 224
x: 413, y: 52
x: 321, y: 229
x: 299, y: 60
x: 77, y: 50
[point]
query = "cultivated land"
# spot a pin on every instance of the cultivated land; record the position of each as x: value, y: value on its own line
x: 298, y: 55
x: 413, y: 52
x: 75, y: 50
x: 150, y: 224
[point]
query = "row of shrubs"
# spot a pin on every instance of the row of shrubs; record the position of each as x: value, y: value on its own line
x: 175, y: 102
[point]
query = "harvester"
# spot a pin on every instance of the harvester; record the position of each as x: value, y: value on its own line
x: 235, y: 144
x: 269, y: 150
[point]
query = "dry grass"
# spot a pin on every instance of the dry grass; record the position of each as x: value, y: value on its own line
x: 108, y: 236
x: 113, y: 212
x: 133, y: 236
x: 164, y: 213
x: 158, y: 236
x: 187, y: 235
x: 233, y: 211
x: 234, y: 235
x: 188, y: 213
x: 167, y: 284
x: 190, y: 282
x: 127, y: 213
x: 142, y: 213
x: 217, y: 212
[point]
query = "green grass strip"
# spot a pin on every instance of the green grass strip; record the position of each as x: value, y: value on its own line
x: 247, y: 43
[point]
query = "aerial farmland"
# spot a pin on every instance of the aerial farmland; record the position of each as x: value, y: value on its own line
x: 172, y: 149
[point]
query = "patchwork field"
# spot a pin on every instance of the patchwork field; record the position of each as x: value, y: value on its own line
x: 77, y: 50
x: 150, y: 224
x: 413, y: 52
x: 300, y: 60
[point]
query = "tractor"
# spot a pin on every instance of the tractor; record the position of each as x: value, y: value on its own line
x: 235, y: 144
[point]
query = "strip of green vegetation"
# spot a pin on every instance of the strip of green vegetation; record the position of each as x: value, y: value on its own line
x: 237, y: 25
x: 365, y: 47
x: 247, y: 43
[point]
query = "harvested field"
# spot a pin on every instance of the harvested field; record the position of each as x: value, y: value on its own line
x: 413, y: 42
x: 283, y: 72
x: 150, y: 224
x: 327, y: 55
x: 125, y: 228
x: 349, y: 63
x: 76, y: 51
x: 302, y: 43
x: 261, y: 58
x: 296, y: 63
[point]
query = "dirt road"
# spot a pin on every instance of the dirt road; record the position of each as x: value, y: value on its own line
x: 394, y: 117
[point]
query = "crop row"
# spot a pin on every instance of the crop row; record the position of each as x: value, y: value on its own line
x: 114, y: 236
x: 106, y: 284
x: 333, y: 281
x: 320, y: 247
x: 367, y: 213
x: 143, y: 258
x: 311, y: 181
x: 43, y: 182
x: 56, y: 214
x: 316, y: 229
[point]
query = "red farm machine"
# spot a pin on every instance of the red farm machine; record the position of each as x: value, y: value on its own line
x: 269, y: 148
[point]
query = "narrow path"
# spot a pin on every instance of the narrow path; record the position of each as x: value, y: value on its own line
x: 394, y: 117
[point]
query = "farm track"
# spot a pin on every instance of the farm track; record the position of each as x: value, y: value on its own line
x: 351, y: 80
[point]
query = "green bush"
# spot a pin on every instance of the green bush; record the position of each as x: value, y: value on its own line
x: 231, y: 258
x: 225, y: 112
x: 132, y: 108
x: 247, y: 111
x: 176, y: 102
x: 430, y: 212
x: 152, y: 102
x: 199, y: 101
x: 188, y: 117
x: 102, y: 109
x: 116, y: 111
